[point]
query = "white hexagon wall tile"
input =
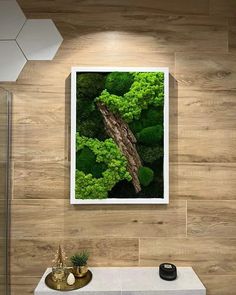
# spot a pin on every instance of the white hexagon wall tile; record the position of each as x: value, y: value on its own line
x: 12, y: 61
x: 39, y: 39
x: 11, y: 19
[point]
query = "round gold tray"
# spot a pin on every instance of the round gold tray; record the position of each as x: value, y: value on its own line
x: 62, y: 286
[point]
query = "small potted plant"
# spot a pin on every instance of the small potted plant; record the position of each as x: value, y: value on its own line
x: 79, y: 261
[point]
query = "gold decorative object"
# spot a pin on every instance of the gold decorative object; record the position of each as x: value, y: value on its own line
x: 59, y: 270
x: 63, y: 286
x: 80, y: 271
x: 79, y: 262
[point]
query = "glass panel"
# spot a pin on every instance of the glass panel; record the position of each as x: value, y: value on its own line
x: 4, y: 180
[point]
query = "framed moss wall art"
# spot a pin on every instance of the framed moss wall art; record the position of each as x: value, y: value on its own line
x: 119, y: 135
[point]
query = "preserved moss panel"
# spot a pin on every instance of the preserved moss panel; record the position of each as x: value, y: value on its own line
x: 136, y: 101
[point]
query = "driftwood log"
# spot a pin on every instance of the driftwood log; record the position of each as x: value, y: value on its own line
x: 120, y: 132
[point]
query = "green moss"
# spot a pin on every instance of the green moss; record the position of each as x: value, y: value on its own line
x: 108, y: 153
x: 86, y: 162
x: 145, y: 175
x: 85, y: 159
x: 147, y: 89
x: 119, y: 83
x: 92, y: 125
x: 153, y: 116
x: 150, y: 117
x: 151, y: 135
x: 89, y: 85
x: 150, y: 154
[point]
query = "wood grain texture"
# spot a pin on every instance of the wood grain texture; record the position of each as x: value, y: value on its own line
x: 202, y: 144
x: 166, y: 7
x: 223, y: 7
x: 206, y: 71
x: 196, y: 40
x: 2, y: 180
x: 212, y: 219
x: 38, y: 142
x: 155, y: 32
x: 223, y: 285
x: 205, y: 181
x: 2, y: 284
x: 30, y: 257
x: 206, y: 255
x: 40, y: 180
x: 21, y: 285
x: 199, y: 109
x: 232, y: 34
x: 2, y: 256
x: 129, y: 222
x: 51, y: 217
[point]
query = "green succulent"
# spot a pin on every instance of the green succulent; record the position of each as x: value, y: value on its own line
x: 80, y: 259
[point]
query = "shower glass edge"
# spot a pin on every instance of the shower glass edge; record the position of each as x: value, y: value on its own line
x: 5, y: 191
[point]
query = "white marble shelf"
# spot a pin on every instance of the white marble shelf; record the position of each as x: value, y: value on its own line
x: 132, y: 281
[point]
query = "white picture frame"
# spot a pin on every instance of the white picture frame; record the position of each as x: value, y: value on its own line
x: 165, y: 199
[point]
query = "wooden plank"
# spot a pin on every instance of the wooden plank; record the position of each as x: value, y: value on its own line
x: 219, y: 285
x: 140, y: 32
x: 187, y: 180
x: 2, y: 284
x: 106, y: 251
x: 21, y: 285
x: 206, y: 71
x: 2, y: 180
x: 165, y: 7
x: 2, y: 255
x: 199, y: 109
x: 30, y: 257
x: 41, y: 180
x: 51, y: 215
x: 205, y: 181
x: 212, y: 219
x: 203, y: 145
x: 223, y: 7
x: 206, y: 255
x: 127, y: 222
x: 191, y: 144
x: 36, y: 108
x: 232, y: 34
x: 40, y: 142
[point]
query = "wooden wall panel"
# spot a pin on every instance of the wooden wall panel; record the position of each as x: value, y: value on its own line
x: 204, y: 180
x: 167, y: 7
x: 223, y: 7
x: 211, y: 256
x: 40, y: 180
x: 133, y: 222
x: 225, y: 285
x: 206, y: 70
x: 196, y: 40
x: 232, y: 34
x: 30, y: 257
x: 212, y: 219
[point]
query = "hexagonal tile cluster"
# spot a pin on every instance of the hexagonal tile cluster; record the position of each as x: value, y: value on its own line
x: 22, y: 40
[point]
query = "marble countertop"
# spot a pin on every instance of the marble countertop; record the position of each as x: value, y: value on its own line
x: 132, y: 281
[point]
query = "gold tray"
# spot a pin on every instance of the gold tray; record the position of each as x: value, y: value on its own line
x: 79, y: 283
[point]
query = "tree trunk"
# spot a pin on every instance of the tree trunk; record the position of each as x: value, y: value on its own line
x: 119, y: 131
